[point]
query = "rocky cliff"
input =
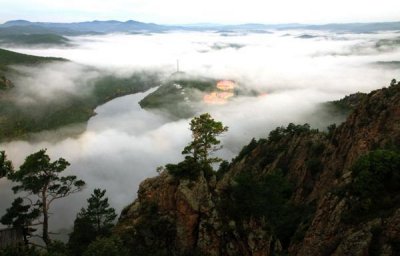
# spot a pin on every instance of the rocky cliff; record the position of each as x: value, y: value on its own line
x: 298, y: 192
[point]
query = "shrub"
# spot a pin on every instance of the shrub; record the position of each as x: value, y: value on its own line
x: 314, y: 165
x: 331, y: 130
x: 317, y: 148
x: 246, y: 150
x: 187, y: 169
x: 255, y: 197
x: 375, y: 187
x: 19, y: 251
x: 223, y: 168
x: 111, y: 246
x: 152, y: 234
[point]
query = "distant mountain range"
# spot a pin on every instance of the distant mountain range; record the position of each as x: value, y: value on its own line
x: 47, y: 34
x: 88, y: 27
x: 131, y: 26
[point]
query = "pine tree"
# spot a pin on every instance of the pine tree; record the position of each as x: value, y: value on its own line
x: 204, y: 133
x: 21, y: 216
x: 5, y: 165
x: 42, y: 183
x: 94, y: 221
x: 99, y: 212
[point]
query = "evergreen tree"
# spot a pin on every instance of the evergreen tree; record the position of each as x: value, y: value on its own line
x: 99, y: 212
x: 5, y: 165
x: 21, y: 216
x: 40, y: 179
x: 204, y: 133
x: 82, y: 235
x: 94, y: 221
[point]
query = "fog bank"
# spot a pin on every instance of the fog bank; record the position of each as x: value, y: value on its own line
x: 124, y: 144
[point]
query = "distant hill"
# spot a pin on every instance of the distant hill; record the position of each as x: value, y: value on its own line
x: 17, y: 121
x: 109, y: 26
x: 34, y: 39
x: 132, y: 26
x: 356, y: 27
x: 14, y: 58
x: 180, y: 95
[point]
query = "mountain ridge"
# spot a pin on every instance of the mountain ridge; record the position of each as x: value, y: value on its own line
x: 329, y: 210
x: 109, y: 26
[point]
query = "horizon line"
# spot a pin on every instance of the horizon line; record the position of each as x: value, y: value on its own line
x: 202, y: 23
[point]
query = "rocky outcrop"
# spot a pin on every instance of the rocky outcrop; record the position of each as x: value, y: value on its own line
x: 193, y: 216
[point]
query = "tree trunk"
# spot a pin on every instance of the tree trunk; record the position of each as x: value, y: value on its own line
x: 45, y: 234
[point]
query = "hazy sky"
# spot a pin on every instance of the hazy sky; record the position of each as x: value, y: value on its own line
x: 189, y: 11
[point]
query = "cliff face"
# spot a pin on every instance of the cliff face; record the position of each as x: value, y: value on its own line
x: 299, y: 192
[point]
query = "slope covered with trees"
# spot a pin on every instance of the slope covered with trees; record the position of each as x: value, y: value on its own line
x: 297, y: 192
x: 17, y: 121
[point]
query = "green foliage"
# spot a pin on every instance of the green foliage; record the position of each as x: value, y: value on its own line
x: 255, y: 197
x: 5, y: 165
x: 82, y: 235
x: 374, y: 190
x: 109, y: 246
x: 152, y: 235
x: 40, y: 177
x: 21, y: 215
x: 100, y: 213
x: 269, y: 197
x: 94, y: 221
x: 204, y: 133
x: 277, y: 134
x: 293, y: 129
x: 38, y: 174
x: 223, y: 168
x: 246, y: 150
x: 20, y: 251
x: 280, y: 132
x: 56, y: 248
x: 314, y: 165
x: 169, y: 97
x: 34, y: 39
x: 17, y: 121
x: 13, y: 58
x: 331, y: 129
x: 345, y: 105
x: 303, y: 216
x: 110, y: 87
x: 187, y: 169
x: 269, y: 153
x: 317, y: 148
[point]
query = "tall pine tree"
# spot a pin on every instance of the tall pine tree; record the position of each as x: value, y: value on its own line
x: 95, y: 221
x: 204, y: 133
x: 40, y: 181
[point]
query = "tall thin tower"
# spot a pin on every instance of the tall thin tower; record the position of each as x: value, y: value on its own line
x: 177, y: 66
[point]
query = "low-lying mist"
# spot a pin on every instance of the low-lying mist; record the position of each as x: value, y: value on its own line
x: 124, y: 144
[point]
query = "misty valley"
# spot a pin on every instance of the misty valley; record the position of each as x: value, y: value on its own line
x: 200, y: 140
